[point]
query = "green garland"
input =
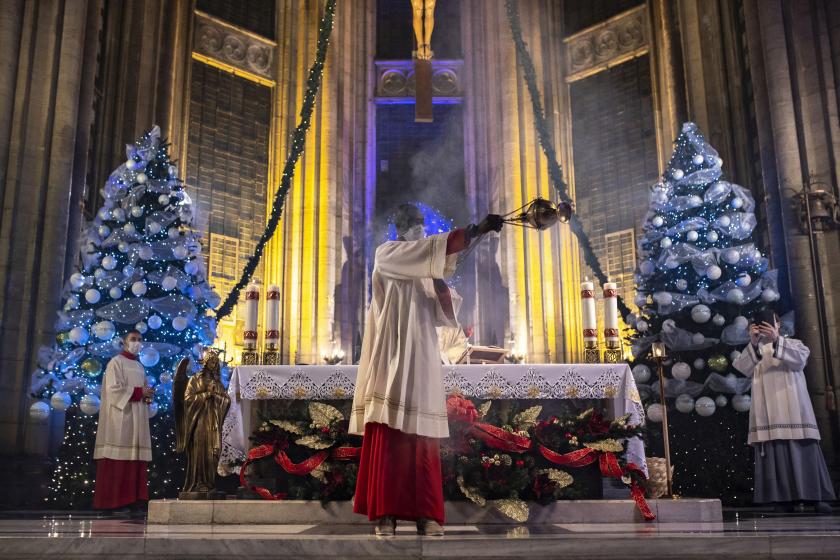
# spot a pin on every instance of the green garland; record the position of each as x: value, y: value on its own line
x: 547, y: 145
x: 313, y: 84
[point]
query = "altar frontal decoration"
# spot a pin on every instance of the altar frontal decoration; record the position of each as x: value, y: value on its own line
x: 498, y: 455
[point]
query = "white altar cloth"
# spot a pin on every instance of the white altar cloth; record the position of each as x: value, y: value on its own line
x: 492, y: 381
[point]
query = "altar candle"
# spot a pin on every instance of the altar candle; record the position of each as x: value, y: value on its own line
x: 252, y: 306
x: 272, y: 316
x: 610, y: 312
x: 590, y: 323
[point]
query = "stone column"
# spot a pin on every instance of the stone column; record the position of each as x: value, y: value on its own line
x: 47, y: 69
x: 795, y: 92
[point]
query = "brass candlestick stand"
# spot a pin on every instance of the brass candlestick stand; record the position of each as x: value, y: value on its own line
x: 271, y: 357
x: 591, y: 353
x: 613, y: 353
x: 658, y: 350
x: 250, y: 357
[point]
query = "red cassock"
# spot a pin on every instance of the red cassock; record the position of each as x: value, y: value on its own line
x: 400, y: 473
x: 121, y: 483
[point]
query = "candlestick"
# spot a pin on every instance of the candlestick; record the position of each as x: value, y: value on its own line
x: 272, y: 322
x: 590, y: 323
x: 252, y: 306
x: 612, y: 353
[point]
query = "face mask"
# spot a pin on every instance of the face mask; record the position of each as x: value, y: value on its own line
x: 133, y: 346
x: 415, y: 233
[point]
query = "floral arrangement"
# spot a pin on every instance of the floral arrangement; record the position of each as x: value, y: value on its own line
x: 499, y: 454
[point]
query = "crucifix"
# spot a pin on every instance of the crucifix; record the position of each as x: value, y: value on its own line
x: 423, y: 21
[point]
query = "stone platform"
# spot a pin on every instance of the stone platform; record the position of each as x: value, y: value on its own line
x: 297, y: 512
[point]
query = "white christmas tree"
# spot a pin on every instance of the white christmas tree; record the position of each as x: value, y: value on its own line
x: 700, y: 278
x: 140, y: 268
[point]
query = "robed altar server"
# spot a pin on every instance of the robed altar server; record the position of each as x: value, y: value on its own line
x: 789, y: 464
x: 399, y: 402
x: 123, y: 444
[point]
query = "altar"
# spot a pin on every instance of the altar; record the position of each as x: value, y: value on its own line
x: 613, y: 383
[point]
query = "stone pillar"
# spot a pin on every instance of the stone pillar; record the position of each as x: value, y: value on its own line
x: 47, y: 69
x: 795, y: 90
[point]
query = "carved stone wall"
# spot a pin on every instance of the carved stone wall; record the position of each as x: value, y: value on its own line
x: 218, y: 40
x: 395, y: 81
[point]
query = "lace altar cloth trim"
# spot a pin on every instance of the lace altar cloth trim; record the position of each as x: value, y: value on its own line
x: 525, y: 381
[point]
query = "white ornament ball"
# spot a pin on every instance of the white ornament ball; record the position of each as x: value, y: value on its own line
x: 741, y: 403
x: 721, y: 401
x: 191, y: 268
x: 128, y: 271
x: 146, y: 252
x: 663, y: 298
x: 769, y: 294
x: 168, y: 283
x: 173, y: 170
x: 640, y: 300
x: 115, y: 292
x: 104, y: 231
x: 678, y: 174
x: 60, y: 401
x: 697, y: 159
x: 743, y: 280
x: 180, y: 252
x: 705, y: 406
x: 723, y: 221
x: 104, y: 330
x: 731, y: 256
x: 109, y: 262
x: 165, y: 377
x: 104, y: 214
x: 658, y: 221
x: 136, y: 211
x: 718, y: 320
x: 72, y: 302
x: 154, y: 228
x: 39, y: 411
x: 153, y: 409
x: 699, y: 364
x: 684, y: 403
x: 736, y: 296
x: 130, y: 163
x: 77, y: 280
x: 142, y: 178
x: 641, y: 373
x: 713, y: 272
x: 118, y: 214
x: 701, y: 313
x: 642, y: 325
x: 654, y: 412
x: 149, y: 357
x: 666, y: 242
x: 712, y: 236
x: 741, y: 323
x: 98, y: 273
x: 681, y: 284
x: 92, y: 295
x: 737, y: 202
x: 647, y: 267
x: 734, y: 355
x: 172, y: 232
x: 141, y: 327
x: 79, y: 335
x: 123, y: 247
x: 129, y: 229
x: 89, y: 404
x: 692, y: 236
x: 698, y: 339
x: 163, y: 199
x: 681, y: 371
x: 138, y: 288
x: 155, y: 321
x: 180, y: 323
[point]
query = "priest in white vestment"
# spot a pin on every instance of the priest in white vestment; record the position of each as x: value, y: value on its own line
x: 123, y: 444
x: 789, y: 464
x: 399, y: 403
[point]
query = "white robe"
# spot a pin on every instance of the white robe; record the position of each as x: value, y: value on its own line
x: 781, y: 407
x: 123, y: 431
x: 399, y: 381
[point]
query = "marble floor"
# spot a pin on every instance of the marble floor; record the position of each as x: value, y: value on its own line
x: 742, y: 534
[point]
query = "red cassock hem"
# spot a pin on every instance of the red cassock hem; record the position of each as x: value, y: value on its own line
x: 400, y: 475
x: 120, y: 483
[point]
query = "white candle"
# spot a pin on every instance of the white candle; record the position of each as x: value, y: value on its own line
x: 252, y: 307
x: 611, y: 312
x: 272, y: 316
x: 590, y: 322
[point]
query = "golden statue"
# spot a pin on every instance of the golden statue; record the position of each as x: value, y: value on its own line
x: 423, y: 21
x: 200, y: 405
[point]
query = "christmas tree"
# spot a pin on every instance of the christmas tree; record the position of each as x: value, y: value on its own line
x: 140, y: 268
x: 700, y: 278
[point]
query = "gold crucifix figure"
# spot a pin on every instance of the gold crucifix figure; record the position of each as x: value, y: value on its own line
x: 423, y: 21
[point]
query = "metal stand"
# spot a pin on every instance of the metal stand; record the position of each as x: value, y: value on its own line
x: 665, y: 438
x: 250, y: 358
x: 591, y: 353
x: 613, y: 353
